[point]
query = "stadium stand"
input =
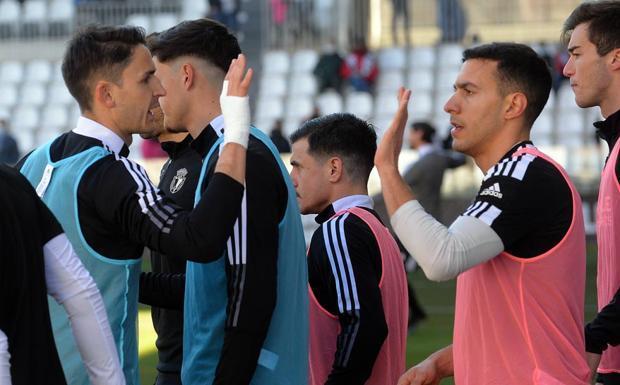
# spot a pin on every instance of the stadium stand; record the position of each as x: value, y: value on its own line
x: 38, y: 106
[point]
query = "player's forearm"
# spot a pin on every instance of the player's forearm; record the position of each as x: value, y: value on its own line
x: 394, y: 189
x: 201, y: 236
x: 444, y: 361
x: 604, y: 330
x: 441, y: 252
x: 163, y: 290
x: 241, y: 354
x: 232, y: 162
x: 70, y: 284
x: 5, y: 357
x: 359, y: 344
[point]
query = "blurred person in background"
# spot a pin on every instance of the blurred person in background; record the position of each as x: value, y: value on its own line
x: 327, y: 69
x: 593, y: 34
x: 278, y: 138
x: 9, y: 153
x: 425, y: 176
x: 359, y: 68
x: 225, y: 11
x: 452, y: 20
x: 400, y: 12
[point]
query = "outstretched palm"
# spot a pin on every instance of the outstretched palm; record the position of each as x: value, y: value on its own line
x: 392, y: 141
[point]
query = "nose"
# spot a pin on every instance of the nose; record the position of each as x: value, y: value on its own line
x: 451, y: 105
x: 569, y: 67
x: 158, y: 88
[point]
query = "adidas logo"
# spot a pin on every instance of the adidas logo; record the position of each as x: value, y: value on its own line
x: 493, y: 191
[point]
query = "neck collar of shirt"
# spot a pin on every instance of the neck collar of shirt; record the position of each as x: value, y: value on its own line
x: 92, y: 129
x: 174, y: 149
x: 203, y: 143
x: 217, y: 125
x: 344, y: 204
x: 609, y: 129
x: 508, y: 155
x: 425, y: 149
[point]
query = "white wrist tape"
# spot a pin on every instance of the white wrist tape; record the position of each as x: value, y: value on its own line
x: 236, y: 111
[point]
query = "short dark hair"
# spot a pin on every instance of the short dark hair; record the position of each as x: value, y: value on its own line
x: 202, y: 38
x: 604, y: 24
x: 519, y: 68
x: 352, y: 139
x: 427, y: 129
x: 102, y: 50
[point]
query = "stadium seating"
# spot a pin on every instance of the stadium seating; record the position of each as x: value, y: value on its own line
x: 33, y: 95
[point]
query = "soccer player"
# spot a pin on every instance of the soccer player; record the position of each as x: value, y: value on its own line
x: 518, y: 250
x: 358, y: 288
x: 593, y: 34
x: 106, y: 203
x: 245, y: 314
x: 36, y: 260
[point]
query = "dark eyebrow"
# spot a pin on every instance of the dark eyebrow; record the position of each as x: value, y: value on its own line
x: 573, y: 48
x: 148, y: 73
x: 465, y: 85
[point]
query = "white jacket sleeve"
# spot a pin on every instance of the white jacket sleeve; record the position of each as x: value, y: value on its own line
x: 443, y: 253
x: 5, y: 357
x: 72, y: 287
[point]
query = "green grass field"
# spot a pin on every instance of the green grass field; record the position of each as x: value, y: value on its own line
x: 434, y: 333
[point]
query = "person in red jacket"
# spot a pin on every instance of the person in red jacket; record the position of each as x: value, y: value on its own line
x: 359, y: 68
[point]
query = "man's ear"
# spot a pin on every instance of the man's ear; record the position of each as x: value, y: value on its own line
x: 104, y: 94
x: 615, y: 59
x: 516, y: 103
x: 336, y: 169
x: 188, y: 75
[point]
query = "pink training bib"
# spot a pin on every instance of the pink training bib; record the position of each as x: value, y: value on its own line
x: 324, y: 326
x: 520, y: 321
x: 608, y: 271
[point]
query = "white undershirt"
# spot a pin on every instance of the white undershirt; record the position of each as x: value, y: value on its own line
x: 70, y: 284
x: 443, y: 253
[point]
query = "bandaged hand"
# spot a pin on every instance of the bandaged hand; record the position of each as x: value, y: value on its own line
x: 235, y: 103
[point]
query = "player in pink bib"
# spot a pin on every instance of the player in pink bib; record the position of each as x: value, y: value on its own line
x: 518, y: 251
x: 358, y: 289
x: 593, y: 35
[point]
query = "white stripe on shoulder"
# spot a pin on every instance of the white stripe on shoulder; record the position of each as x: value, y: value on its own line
x: 515, y: 167
x: 480, y: 208
x: 332, y: 263
x: 347, y: 260
x: 144, y: 192
x: 484, y: 211
x: 490, y: 215
x: 522, y: 166
x: 495, y: 169
x: 472, y: 207
x: 344, y: 263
